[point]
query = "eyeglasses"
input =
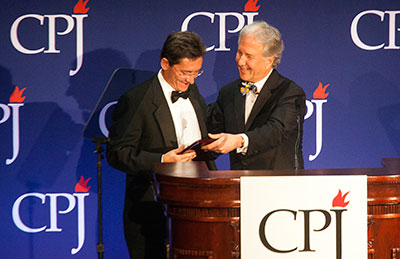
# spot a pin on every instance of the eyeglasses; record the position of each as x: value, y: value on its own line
x: 188, y: 73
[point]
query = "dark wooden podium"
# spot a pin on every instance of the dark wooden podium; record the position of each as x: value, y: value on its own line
x: 204, y: 207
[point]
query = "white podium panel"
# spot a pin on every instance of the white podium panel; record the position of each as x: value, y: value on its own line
x: 304, y: 217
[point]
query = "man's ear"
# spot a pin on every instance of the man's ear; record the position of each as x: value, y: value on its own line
x: 164, y: 64
x: 270, y: 61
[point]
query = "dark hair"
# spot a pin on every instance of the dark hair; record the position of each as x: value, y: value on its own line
x: 182, y: 44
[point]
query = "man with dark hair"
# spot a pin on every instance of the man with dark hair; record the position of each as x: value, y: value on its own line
x: 259, y: 117
x: 152, y: 123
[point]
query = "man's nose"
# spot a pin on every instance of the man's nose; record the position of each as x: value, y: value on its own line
x: 190, y: 79
x: 241, y: 60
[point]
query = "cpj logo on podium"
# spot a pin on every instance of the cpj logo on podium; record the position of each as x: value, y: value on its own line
x: 304, y: 217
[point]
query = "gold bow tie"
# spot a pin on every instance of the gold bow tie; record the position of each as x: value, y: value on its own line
x: 248, y: 86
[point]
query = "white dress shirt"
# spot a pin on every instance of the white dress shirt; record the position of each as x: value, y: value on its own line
x: 187, y: 127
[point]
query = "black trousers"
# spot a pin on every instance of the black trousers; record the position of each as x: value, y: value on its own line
x: 145, y: 228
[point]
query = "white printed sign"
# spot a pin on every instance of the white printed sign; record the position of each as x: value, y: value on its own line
x: 303, y: 217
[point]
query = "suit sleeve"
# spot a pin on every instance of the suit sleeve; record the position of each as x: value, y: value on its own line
x: 215, y: 118
x: 124, y: 149
x: 274, y: 127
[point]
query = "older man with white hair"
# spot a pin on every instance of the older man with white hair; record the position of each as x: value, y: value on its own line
x: 258, y: 118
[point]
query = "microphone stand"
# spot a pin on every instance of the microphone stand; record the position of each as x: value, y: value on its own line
x: 298, y: 104
x: 99, y: 151
x: 296, y: 146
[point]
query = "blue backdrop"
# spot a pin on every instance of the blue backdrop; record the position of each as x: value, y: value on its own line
x: 56, y: 58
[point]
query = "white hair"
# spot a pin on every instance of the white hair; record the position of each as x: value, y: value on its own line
x: 269, y: 36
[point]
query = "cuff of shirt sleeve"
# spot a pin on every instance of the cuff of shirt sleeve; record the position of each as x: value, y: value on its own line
x: 243, y: 149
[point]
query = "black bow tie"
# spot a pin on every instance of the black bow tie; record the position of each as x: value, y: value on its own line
x: 175, y: 95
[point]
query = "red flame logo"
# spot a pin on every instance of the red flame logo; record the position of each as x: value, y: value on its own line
x: 80, y: 7
x: 81, y: 186
x: 338, y: 201
x: 16, y: 96
x: 251, y: 6
x: 319, y: 93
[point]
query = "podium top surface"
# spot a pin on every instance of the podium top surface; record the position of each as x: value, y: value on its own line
x: 199, y: 170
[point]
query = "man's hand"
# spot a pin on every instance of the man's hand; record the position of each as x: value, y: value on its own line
x: 174, y: 156
x: 224, y: 142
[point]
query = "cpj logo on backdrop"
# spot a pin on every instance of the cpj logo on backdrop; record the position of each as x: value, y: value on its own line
x: 250, y: 11
x: 11, y: 112
x: 319, y: 98
x: 386, y: 18
x: 75, y: 200
x: 73, y: 21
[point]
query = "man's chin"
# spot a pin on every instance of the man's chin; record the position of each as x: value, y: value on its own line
x: 183, y: 88
x: 244, y: 77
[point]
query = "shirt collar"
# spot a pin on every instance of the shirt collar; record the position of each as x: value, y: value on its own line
x: 261, y: 83
x: 166, y: 87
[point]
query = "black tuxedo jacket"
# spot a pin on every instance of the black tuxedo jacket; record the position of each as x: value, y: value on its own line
x: 272, y: 126
x: 142, y: 130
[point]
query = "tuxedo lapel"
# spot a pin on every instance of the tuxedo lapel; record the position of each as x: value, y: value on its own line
x: 163, y: 115
x: 200, y: 113
x: 263, y: 97
x: 239, y: 104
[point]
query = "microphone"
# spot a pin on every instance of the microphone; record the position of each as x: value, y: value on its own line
x: 298, y: 103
